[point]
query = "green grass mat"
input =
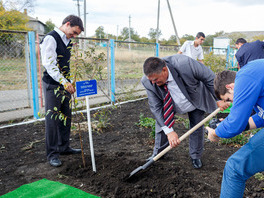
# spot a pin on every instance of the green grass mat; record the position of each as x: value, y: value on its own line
x: 47, y: 189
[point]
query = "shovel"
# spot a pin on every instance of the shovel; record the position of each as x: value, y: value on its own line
x: 169, y: 147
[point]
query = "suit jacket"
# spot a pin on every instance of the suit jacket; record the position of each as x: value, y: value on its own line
x: 249, y: 52
x: 195, y: 81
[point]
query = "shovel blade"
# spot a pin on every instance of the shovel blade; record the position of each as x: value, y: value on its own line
x: 137, y: 170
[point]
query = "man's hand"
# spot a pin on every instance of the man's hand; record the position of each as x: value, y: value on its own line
x: 173, y: 139
x: 212, y: 135
x: 223, y: 105
x: 69, y: 87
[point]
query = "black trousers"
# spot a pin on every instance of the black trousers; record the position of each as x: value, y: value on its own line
x: 57, y: 131
x: 196, y: 139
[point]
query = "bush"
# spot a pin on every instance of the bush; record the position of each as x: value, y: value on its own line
x: 147, y: 123
x: 240, y: 139
x: 216, y: 63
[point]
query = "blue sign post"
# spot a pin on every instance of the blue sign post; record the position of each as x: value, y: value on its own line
x: 87, y: 88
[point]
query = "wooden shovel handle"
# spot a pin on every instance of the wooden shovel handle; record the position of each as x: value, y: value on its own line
x: 185, y: 135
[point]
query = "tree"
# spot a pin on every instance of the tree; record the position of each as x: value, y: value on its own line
x: 49, y: 26
x: 234, y: 36
x: 163, y: 41
x: 186, y: 37
x: 209, y: 39
x: 19, y: 5
x: 144, y: 40
x: 99, y: 32
x: 153, y: 34
x: 12, y: 20
x: 220, y: 33
x: 110, y: 36
x: 133, y: 34
x: 172, y: 40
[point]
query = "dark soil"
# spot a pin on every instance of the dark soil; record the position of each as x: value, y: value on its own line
x: 119, y: 149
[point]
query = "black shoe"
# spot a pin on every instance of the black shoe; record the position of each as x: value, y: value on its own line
x: 55, y: 162
x: 71, y: 151
x: 197, y: 163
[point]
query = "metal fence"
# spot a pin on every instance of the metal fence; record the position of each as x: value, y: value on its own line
x: 231, y: 61
x: 14, y: 67
x: 168, y: 50
x: 85, y: 45
x: 129, y: 58
x: 121, y: 74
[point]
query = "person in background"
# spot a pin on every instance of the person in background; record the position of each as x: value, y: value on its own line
x: 55, y: 55
x: 246, y: 90
x: 240, y: 42
x: 179, y: 84
x: 248, y: 51
x: 193, y: 49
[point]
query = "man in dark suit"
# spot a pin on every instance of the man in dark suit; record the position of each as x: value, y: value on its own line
x: 248, y: 51
x: 55, y: 55
x: 191, y: 86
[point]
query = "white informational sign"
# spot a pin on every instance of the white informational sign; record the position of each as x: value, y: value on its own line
x: 220, y: 45
x: 87, y: 88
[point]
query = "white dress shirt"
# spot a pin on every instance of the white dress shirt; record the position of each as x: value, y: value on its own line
x: 182, y: 104
x: 190, y: 50
x: 49, y: 56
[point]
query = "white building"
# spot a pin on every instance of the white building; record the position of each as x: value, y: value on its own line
x: 35, y: 24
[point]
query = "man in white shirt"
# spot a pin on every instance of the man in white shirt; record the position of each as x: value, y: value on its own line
x: 55, y: 55
x: 193, y: 49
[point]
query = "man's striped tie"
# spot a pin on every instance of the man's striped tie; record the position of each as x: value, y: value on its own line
x: 168, y: 108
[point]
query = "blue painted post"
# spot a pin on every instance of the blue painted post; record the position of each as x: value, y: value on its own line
x: 33, y: 66
x: 227, y: 56
x: 211, y: 49
x: 232, y: 58
x: 112, y: 47
x: 157, y: 49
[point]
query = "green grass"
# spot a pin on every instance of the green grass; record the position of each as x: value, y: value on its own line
x: 129, y: 64
x: 13, y: 74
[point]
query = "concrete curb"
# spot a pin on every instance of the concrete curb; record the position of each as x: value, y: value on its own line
x: 82, y: 111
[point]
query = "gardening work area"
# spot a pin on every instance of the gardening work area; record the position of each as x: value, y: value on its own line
x: 119, y: 149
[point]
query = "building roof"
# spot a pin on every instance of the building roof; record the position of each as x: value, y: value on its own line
x: 31, y: 19
x: 36, y: 20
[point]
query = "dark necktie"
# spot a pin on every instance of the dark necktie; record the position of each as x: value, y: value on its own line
x: 168, y: 108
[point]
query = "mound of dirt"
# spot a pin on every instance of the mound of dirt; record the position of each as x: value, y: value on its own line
x: 119, y: 149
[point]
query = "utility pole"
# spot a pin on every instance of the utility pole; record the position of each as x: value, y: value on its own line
x: 157, y: 30
x: 84, y: 17
x: 176, y: 34
x: 117, y: 32
x: 129, y: 30
x: 78, y: 5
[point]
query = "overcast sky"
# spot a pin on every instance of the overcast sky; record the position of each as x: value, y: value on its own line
x: 190, y: 16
